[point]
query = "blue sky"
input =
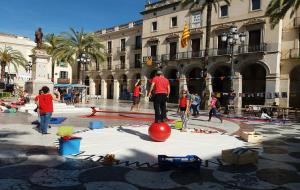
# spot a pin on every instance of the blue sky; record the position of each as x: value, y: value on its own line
x: 23, y: 17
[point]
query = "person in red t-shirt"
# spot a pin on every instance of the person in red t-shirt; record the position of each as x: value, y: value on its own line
x: 184, y: 108
x: 161, y: 88
x: 36, y: 100
x: 136, y: 95
x: 45, y: 103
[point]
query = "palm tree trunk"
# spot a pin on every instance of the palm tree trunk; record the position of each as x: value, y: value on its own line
x: 2, y: 71
x: 78, y: 72
x: 208, y: 32
x: 52, y: 70
x: 205, y: 90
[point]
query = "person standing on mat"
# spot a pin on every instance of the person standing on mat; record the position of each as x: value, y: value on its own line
x: 214, y: 106
x: 161, y: 88
x: 45, y: 103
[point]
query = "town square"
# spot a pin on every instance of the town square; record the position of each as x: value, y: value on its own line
x: 156, y: 94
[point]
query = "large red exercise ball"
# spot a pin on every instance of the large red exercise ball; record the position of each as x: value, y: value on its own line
x: 159, y: 131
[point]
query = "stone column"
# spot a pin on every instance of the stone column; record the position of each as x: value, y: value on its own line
x: 182, y: 83
x: 103, y: 89
x: 272, y: 85
x: 238, y: 88
x: 116, y: 89
x: 285, y: 87
x: 41, y: 72
x: 208, y: 90
x: 92, y: 87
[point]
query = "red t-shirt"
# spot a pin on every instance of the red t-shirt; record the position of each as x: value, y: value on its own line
x: 45, y: 103
x: 161, y: 85
x: 136, y: 91
x: 183, y: 102
x: 36, y: 98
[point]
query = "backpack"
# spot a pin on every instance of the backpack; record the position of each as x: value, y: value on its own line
x: 218, y: 104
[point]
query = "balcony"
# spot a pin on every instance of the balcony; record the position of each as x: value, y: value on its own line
x: 136, y: 47
x: 121, y: 50
x: 63, y: 81
x: 154, y: 58
x: 120, y: 67
x: 263, y: 47
x: 291, y: 54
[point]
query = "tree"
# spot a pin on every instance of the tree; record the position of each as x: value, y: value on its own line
x: 9, y: 56
x: 50, y: 45
x: 75, y: 43
x: 277, y: 9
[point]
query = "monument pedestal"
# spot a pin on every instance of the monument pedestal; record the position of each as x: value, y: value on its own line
x: 41, y: 72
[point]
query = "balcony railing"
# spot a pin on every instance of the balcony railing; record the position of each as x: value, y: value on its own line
x: 136, y: 47
x: 253, y: 48
x: 238, y: 49
x: 121, y: 49
x: 183, y: 55
x: 291, y: 54
x: 120, y: 67
x: 63, y: 81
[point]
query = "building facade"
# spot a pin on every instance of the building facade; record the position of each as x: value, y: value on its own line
x: 62, y: 71
x: 25, y: 46
x: 115, y: 78
x: 265, y: 65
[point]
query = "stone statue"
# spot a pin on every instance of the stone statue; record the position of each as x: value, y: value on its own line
x: 39, y: 38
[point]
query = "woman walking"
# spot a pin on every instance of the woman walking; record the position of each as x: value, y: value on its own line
x: 214, y: 104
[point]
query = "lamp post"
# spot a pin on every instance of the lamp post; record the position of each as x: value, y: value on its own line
x: 83, y: 59
x: 231, y: 38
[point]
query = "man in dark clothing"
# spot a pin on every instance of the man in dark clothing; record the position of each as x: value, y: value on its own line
x: 161, y: 88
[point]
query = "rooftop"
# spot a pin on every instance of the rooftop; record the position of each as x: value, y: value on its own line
x: 120, y: 27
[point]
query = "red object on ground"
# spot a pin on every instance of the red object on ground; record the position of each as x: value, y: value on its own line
x: 159, y: 131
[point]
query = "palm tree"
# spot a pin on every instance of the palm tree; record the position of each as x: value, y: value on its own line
x: 202, y: 4
x: 277, y: 9
x: 50, y: 46
x: 75, y: 43
x: 9, y: 56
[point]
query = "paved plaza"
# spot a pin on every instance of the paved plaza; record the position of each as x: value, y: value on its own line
x: 29, y: 160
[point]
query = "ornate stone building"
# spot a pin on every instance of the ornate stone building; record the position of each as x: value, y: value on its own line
x: 265, y: 65
x: 116, y: 77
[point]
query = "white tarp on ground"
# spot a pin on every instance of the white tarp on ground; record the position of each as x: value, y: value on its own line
x: 134, y: 144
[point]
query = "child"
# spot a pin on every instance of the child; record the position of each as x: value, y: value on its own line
x: 264, y: 114
x: 136, y: 95
x: 184, y: 109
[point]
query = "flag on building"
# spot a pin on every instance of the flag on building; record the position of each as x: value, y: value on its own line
x: 185, y: 36
x: 149, y: 61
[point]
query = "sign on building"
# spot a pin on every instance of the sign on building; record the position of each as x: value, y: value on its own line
x: 196, y: 20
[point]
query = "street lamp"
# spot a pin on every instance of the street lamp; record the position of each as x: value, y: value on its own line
x: 83, y: 59
x: 231, y: 38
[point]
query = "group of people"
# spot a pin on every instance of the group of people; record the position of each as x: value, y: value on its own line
x: 44, y: 102
x: 161, y: 87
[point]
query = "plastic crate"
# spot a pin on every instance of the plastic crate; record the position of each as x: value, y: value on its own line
x: 69, y: 146
x: 57, y: 120
x: 189, y: 161
x: 96, y: 125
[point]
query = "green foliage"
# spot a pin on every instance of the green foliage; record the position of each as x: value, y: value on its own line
x: 203, y: 3
x: 277, y: 9
x: 9, y: 56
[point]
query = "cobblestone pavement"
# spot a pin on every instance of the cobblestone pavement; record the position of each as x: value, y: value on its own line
x: 29, y: 160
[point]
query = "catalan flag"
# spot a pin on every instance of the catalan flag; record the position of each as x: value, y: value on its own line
x: 149, y: 61
x: 185, y: 36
